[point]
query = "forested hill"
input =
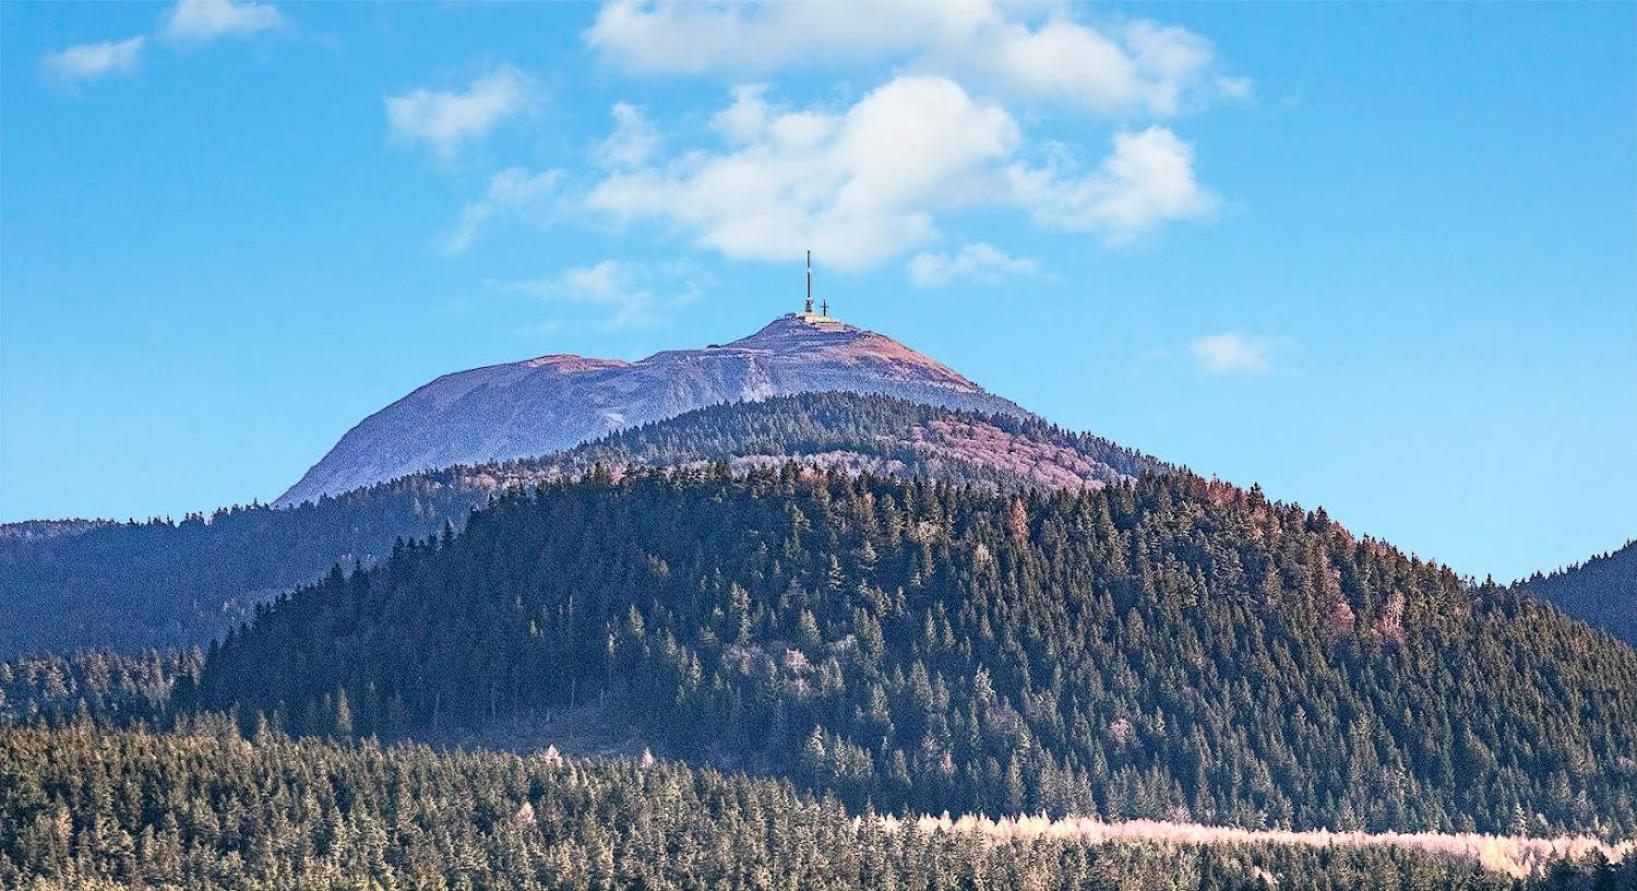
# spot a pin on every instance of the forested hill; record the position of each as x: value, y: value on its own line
x: 1170, y: 648
x: 127, y: 586
x: 1601, y: 591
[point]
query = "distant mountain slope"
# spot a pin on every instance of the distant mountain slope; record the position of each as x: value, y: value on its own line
x: 1601, y: 592
x: 551, y: 403
x: 130, y: 586
x: 1175, y: 648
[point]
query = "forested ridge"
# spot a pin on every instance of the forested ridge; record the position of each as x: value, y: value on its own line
x: 203, y: 808
x: 1602, y: 591
x: 1170, y: 648
x: 130, y: 586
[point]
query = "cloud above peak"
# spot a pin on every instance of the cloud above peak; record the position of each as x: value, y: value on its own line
x: 1023, y: 51
x: 869, y: 182
x: 856, y: 186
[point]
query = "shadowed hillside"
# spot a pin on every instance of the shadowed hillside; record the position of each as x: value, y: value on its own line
x: 1601, y: 592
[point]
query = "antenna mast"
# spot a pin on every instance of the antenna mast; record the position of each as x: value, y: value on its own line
x: 809, y: 282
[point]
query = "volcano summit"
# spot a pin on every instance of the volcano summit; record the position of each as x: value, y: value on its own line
x: 541, y: 405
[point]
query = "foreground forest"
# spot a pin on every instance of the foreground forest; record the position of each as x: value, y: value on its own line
x: 1175, y: 648
x: 131, y: 586
x: 84, y: 808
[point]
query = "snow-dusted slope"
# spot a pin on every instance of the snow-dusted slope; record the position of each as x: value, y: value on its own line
x: 554, y: 402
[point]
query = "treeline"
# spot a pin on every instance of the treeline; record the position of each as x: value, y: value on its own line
x: 1602, y: 592
x: 81, y: 808
x: 1172, y: 649
x: 131, y: 586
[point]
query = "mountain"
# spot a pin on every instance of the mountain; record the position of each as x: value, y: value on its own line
x: 127, y: 586
x: 1169, y: 648
x: 551, y: 403
x: 1601, y: 592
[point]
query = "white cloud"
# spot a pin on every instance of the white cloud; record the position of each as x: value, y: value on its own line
x: 445, y: 119
x: 1233, y: 354
x: 868, y: 183
x: 1030, y: 50
x: 203, y: 20
x: 633, y: 141
x: 1148, y: 180
x: 856, y: 187
x: 629, y: 290
x: 696, y: 37
x: 978, y: 261
x: 89, y: 61
x: 512, y: 192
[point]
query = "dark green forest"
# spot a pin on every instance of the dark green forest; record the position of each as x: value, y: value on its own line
x: 107, y: 688
x: 131, y: 586
x: 82, y: 808
x: 1602, y: 592
x: 1174, y: 648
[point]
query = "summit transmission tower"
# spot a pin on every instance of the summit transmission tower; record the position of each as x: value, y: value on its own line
x: 809, y: 310
x: 807, y: 314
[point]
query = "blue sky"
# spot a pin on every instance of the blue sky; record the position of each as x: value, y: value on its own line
x: 1381, y: 258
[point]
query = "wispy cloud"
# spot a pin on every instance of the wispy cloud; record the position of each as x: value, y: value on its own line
x: 447, y: 119
x: 206, y: 20
x: 89, y: 61
x: 1148, y: 180
x: 1233, y: 354
x: 633, y: 141
x: 636, y: 295
x: 977, y: 261
x: 513, y: 192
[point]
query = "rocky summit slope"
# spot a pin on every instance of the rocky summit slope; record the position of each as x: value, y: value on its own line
x: 553, y: 402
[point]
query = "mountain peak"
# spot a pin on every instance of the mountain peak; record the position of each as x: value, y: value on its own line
x: 799, y: 324
x: 552, y: 402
